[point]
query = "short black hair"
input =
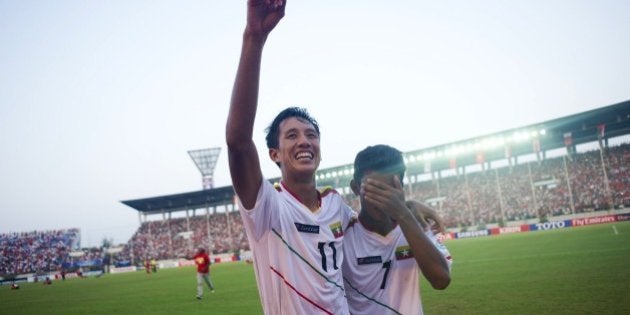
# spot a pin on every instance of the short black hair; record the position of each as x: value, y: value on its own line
x: 273, y: 131
x: 379, y: 158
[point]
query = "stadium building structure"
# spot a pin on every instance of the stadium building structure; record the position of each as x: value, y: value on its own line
x: 561, y: 137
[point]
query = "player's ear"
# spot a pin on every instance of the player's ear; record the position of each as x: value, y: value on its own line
x: 397, y: 182
x: 356, y: 189
x: 274, y: 155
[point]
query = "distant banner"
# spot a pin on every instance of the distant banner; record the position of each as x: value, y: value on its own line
x: 123, y: 263
x: 16, y: 280
x: 552, y: 225
x: 82, y: 263
x: 122, y: 269
x: 595, y: 220
x: 469, y: 234
x: 506, y: 230
x: 89, y: 263
x: 183, y: 263
x: 168, y: 264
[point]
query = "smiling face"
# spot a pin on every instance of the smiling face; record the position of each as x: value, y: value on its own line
x: 298, y: 150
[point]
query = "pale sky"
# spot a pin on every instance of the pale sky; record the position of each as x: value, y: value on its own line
x: 101, y: 100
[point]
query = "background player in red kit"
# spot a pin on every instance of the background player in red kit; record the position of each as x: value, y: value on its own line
x: 202, y: 260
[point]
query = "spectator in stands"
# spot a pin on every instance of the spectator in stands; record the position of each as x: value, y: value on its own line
x: 279, y: 221
x: 387, y: 248
x: 202, y: 260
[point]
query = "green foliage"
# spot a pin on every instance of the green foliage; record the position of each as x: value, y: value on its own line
x: 570, y: 271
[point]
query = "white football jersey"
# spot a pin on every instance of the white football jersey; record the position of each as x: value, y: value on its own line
x: 297, y: 253
x: 381, y: 275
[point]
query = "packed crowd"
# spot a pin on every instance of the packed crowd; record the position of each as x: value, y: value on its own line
x: 36, y: 251
x: 537, y: 189
x: 180, y: 237
x: 511, y: 193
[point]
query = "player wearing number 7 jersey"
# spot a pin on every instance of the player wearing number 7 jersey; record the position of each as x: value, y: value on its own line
x: 295, y: 231
x: 387, y: 248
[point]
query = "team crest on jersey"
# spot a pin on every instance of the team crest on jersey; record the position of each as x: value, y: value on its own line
x: 403, y: 252
x: 337, y: 229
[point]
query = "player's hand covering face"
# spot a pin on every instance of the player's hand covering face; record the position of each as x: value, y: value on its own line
x: 384, y: 193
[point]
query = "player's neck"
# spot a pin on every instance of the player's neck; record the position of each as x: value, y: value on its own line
x: 381, y: 227
x: 305, y: 191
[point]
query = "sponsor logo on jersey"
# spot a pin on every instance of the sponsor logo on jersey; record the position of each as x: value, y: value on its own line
x: 403, y: 252
x: 337, y: 229
x: 305, y: 228
x: 369, y: 260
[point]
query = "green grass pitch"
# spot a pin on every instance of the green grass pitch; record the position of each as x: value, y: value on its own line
x: 584, y: 270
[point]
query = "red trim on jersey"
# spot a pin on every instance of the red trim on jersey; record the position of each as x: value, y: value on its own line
x: 319, y: 195
x: 328, y: 190
x: 299, y: 293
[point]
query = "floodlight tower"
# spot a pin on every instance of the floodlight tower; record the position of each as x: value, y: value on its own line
x: 206, y: 161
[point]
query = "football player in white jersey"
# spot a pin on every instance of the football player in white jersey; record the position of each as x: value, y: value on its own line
x: 387, y: 249
x: 295, y: 230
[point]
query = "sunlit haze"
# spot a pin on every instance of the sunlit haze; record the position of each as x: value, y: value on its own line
x: 101, y: 100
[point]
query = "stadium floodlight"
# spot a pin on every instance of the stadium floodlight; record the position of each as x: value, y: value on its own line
x: 206, y: 161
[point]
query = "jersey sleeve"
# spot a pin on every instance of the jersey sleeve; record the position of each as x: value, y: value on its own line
x: 348, y: 216
x: 262, y: 217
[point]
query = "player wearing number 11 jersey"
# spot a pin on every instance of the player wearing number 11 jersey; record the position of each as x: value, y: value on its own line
x: 298, y: 253
x: 296, y: 231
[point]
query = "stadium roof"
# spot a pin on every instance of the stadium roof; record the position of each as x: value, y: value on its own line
x: 582, y: 126
x: 183, y: 201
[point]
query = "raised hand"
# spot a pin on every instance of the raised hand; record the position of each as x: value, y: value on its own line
x: 263, y: 16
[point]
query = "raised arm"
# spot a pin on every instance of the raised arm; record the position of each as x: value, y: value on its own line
x: 262, y: 17
x: 429, y: 259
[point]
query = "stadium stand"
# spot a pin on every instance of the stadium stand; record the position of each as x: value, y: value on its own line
x: 484, y: 186
x: 464, y: 200
x: 523, y: 183
x: 180, y: 237
x: 36, y: 251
